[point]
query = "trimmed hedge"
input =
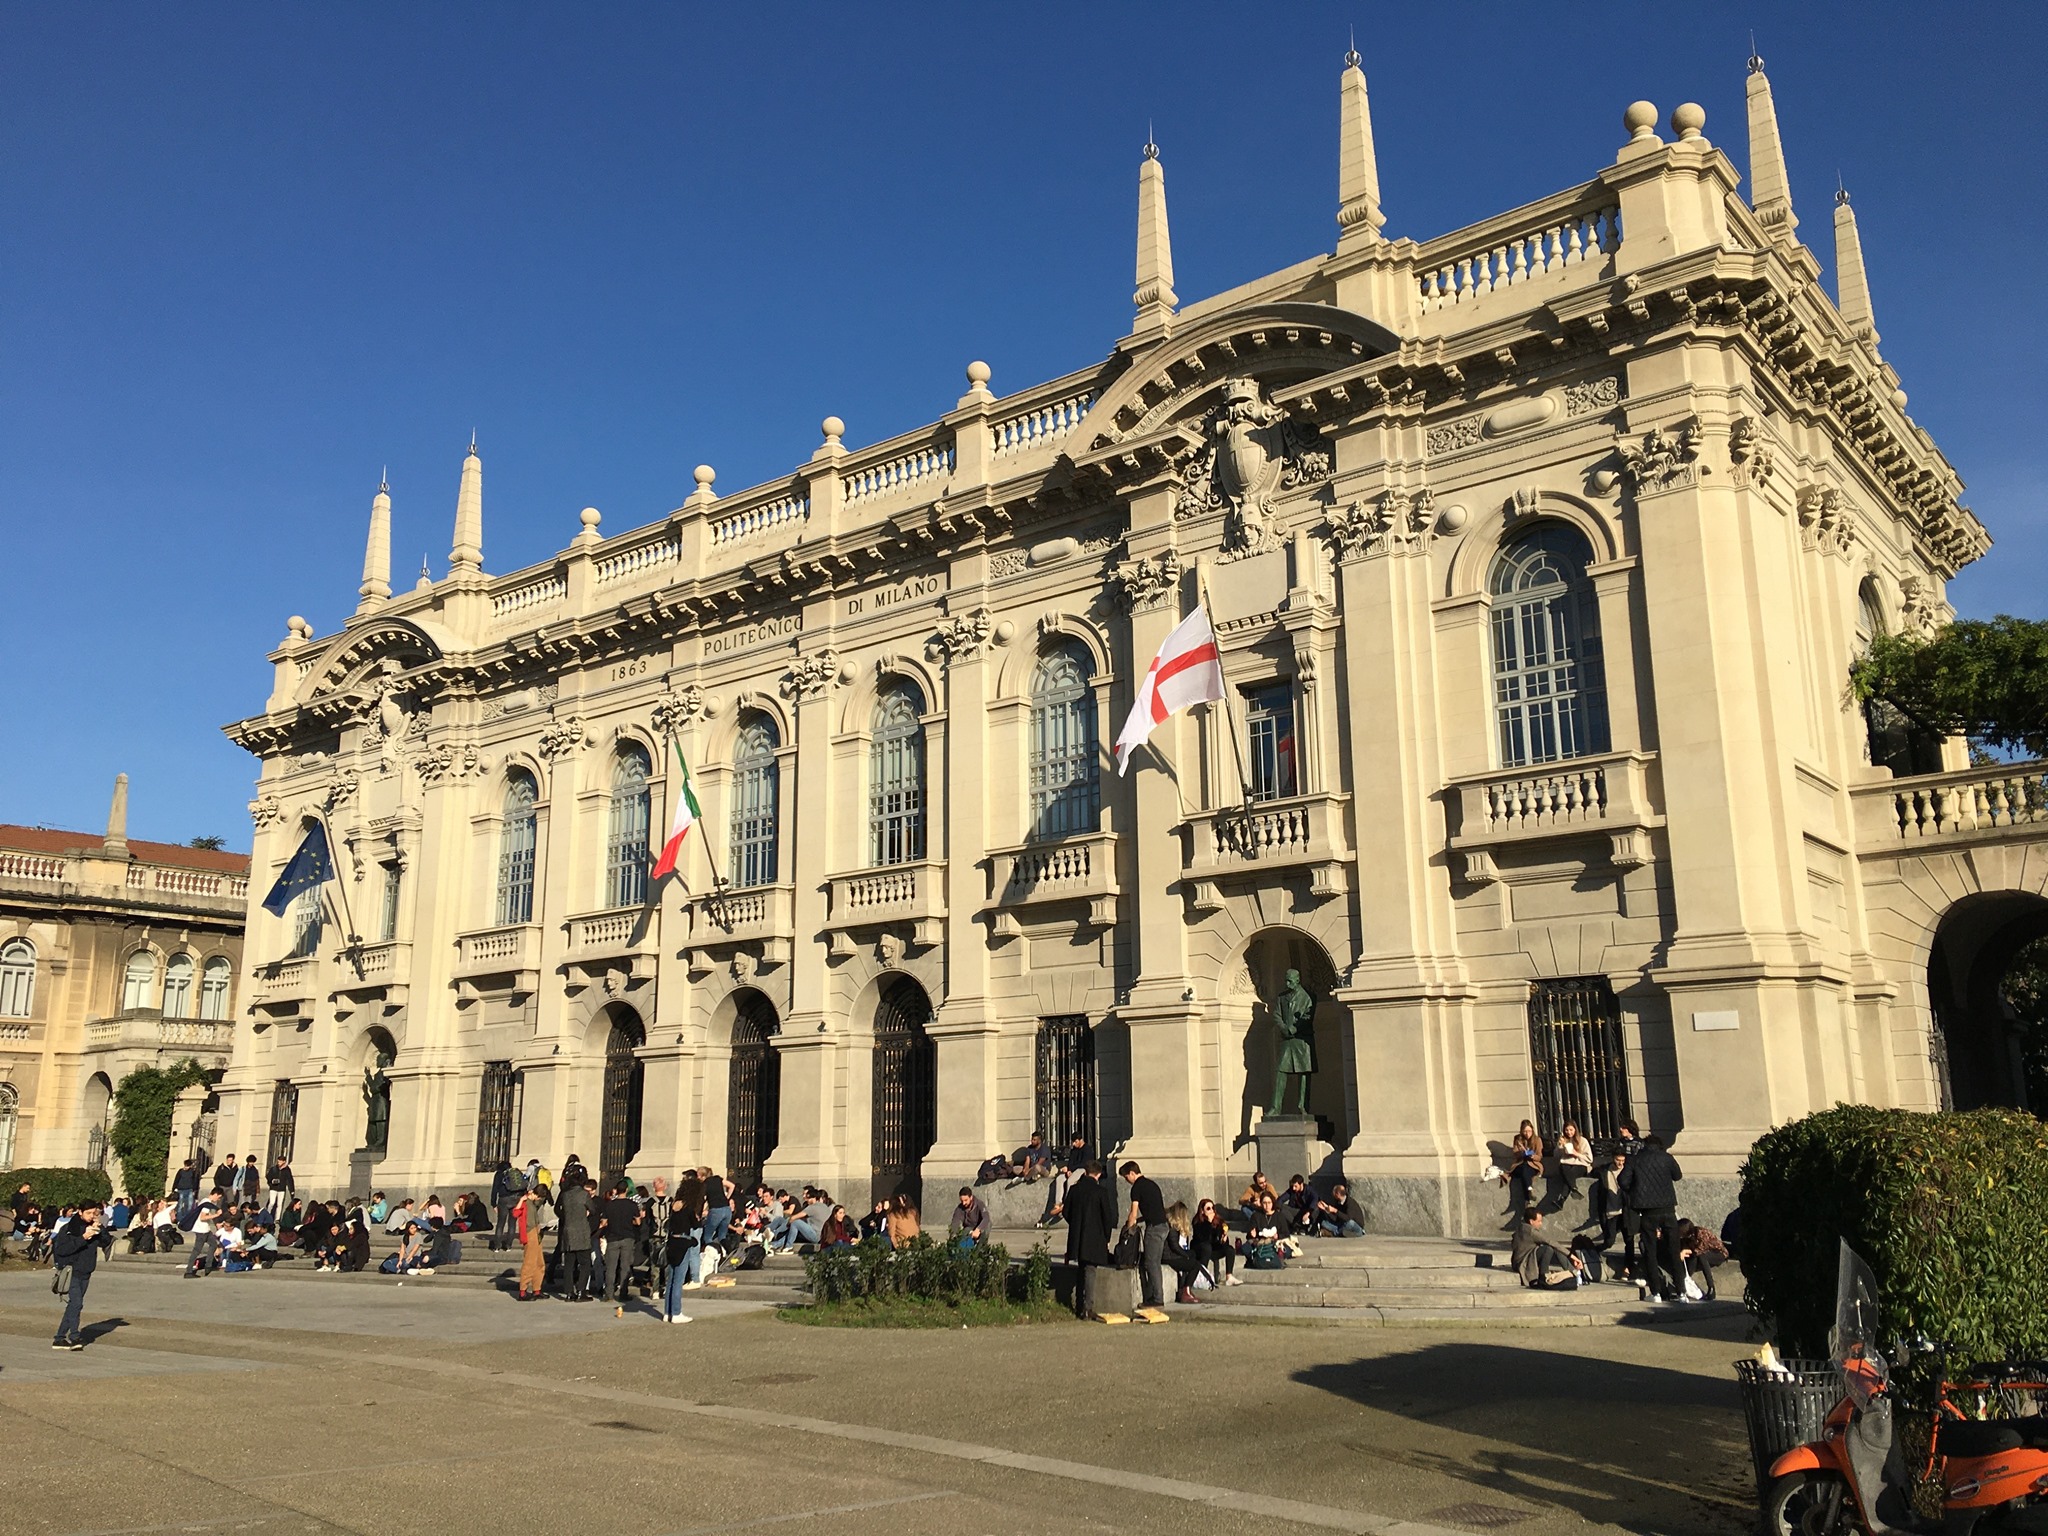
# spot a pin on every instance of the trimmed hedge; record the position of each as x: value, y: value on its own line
x: 929, y: 1271
x: 1950, y: 1211
x: 57, y: 1187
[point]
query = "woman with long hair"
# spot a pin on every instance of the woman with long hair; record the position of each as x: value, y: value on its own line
x: 1180, y: 1254
x: 1215, y: 1248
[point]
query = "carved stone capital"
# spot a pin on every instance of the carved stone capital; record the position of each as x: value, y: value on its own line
x: 810, y: 675
x: 677, y: 708
x: 1920, y: 609
x: 1394, y: 522
x: 564, y: 737
x: 1142, y: 585
x: 1825, y: 523
x: 265, y: 811
x: 1750, y: 455
x: 1663, y: 461
x: 341, y: 790
x: 966, y: 636
x: 450, y: 762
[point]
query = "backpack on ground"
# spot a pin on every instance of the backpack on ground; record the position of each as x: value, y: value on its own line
x: 1265, y: 1256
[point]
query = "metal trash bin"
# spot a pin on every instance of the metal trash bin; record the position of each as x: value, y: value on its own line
x: 1785, y: 1409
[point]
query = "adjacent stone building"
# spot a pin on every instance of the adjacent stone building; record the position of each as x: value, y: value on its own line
x: 114, y: 953
x: 1537, y: 553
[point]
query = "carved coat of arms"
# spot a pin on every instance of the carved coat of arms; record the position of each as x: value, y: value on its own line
x: 1251, y: 450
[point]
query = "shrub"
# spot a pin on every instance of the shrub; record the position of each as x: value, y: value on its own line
x: 1950, y: 1211
x: 57, y: 1187
x: 141, y: 1137
x: 924, y: 1270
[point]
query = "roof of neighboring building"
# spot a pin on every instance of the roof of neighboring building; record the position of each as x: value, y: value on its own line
x: 53, y: 840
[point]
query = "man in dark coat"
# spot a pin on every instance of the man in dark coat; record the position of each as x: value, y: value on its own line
x: 572, y: 1240
x: 78, y: 1248
x: 1091, y: 1222
x: 506, y: 1189
x: 185, y: 1186
x: 1646, y: 1190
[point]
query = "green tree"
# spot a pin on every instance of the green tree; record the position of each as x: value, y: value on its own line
x: 141, y: 1137
x: 2026, y: 989
x: 1982, y: 678
x: 209, y: 844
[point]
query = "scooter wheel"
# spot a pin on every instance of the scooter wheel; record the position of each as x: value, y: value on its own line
x: 1810, y: 1503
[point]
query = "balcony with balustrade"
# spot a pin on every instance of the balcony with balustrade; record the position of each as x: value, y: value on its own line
x: 146, y: 1034
x: 760, y: 919
x: 622, y: 942
x: 900, y: 895
x: 377, y: 976
x: 1266, y: 842
x: 1025, y: 881
x: 500, y: 960
x: 1609, y: 798
x: 2002, y: 802
x: 286, y: 989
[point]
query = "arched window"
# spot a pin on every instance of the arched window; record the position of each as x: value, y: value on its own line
x: 516, y: 842
x: 138, y: 982
x: 1549, y: 685
x: 1066, y: 796
x: 178, y: 987
x: 1894, y: 742
x: 1869, y: 616
x: 10, y: 1114
x: 625, y: 843
x: 213, y: 988
x: 896, y: 777
x: 17, y: 979
x: 304, y: 916
x: 756, y: 805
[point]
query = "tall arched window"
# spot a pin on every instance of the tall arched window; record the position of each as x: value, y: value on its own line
x: 756, y: 804
x: 625, y: 843
x: 178, y: 987
x: 10, y: 1113
x: 304, y: 916
x: 1549, y: 684
x: 138, y: 981
x: 516, y: 842
x: 17, y: 979
x: 213, y: 988
x: 896, y: 777
x: 1066, y: 796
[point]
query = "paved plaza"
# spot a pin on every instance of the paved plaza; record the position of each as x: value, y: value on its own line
x: 279, y: 1402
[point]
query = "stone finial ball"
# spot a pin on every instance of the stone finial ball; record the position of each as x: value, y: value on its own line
x: 704, y: 474
x: 590, y: 517
x: 1640, y: 119
x: 833, y: 428
x: 977, y: 373
x: 1687, y: 119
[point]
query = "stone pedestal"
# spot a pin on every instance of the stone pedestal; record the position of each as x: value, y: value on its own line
x: 362, y: 1167
x: 1291, y: 1144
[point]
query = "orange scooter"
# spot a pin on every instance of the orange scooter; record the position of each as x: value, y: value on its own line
x: 1854, y: 1480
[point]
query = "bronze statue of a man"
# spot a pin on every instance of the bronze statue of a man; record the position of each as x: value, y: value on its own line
x: 1294, y: 1012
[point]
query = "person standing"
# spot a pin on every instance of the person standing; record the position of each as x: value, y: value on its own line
x: 185, y: 1186
x: 225, y: 1177
x: 572, y: 1245
x: 506, y: 1189
x: 621, y: 1243
x: 717, y: 1208
x: 533, y: 1267
x: 1091, y: 1218
x: 678, y: 1245
x: 1646, y: 1190
x: 248, y: 1188
x: 77, y: 1247
x: 282, y: 1187
x: 1148, y: 1214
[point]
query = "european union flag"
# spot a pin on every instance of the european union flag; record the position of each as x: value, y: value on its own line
x: 310, y: 866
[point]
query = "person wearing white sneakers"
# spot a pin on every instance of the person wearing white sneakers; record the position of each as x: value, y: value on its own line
x: 1215, y: 1248
x: 679, y: 1240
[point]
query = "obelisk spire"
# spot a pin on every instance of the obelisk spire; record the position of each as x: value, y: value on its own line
x: 1359, y: 218
x: 115, y: 843
x: 467, y: 554
x: 1770, y: 192
x: 1852, y: 285
x: 1154, y: 295
x: 377, y: 552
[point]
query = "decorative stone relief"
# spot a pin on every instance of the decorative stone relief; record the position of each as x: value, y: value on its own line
x: 889, y: 948
x: 1452, y: 436
x: 1749, y: 453
x: 1920, y: 610
x: 1142, y: 585
x: 1590, y: 395
x: 966, y: 636
x: 1250, y: 451
x: 452, y: 761
x: 744, y: 966
x: 677, y: 708
x: 563, y: 737
x: 1824, y: 521
x: 1305, y: 669
x: 810, y: 675
x: 342, y: 789
x: 265, y: 811
x: 1664, y: 461
x: 1101, y: 539
x: 1005, y: 563
x: 1395, y: 521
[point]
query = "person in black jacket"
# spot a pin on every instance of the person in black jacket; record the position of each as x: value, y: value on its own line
x: 1091, y: 1221
x: 1646, y: 1189
x: 282, y: 1187
x: 507, y: 1188
x: 185, y: 1186
x: 78, y: 1248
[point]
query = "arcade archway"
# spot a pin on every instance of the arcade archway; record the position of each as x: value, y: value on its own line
x: 1987, y: 1052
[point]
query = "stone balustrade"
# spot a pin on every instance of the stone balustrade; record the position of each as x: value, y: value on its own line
x: 186, y: 882
x: 166, y: 880
x: 901, y: 893
x: 515, y: 947
x: 1574, y: 232
x: 927, y: 466
x: 636, y: 559
x: 147, y: 1029
x: 46, y: 867
x: 529, y: 600
x: 1965, y: 804
x: 613, y: 932
x: 287, y: 985
x: 1609, y: 796
x: 745, y: 915
x: 1073, y: 869
x: 1269, y: 838
x: 789, y: 510
x: 1039, y: 426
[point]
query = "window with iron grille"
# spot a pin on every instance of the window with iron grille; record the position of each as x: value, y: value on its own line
x: 284, y: 1120
x: 1577, y: 1061
x: 896, y: 778
x: 1269, y: 734
x: 10, y: 1118
x: 754, y: 1090
x: 624, y: 1092
x: 1549, y: 681
x: 517, y: 839
x: 905, y: 1105
x: 1066, y: 796
x: 499, y: 1103
x: 1065, y: 1081
x: 625, y: 866
x: 755, y: 803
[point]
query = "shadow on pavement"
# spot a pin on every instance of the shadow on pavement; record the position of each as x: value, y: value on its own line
x: 1661, y: 1452
x: 92, y: 1333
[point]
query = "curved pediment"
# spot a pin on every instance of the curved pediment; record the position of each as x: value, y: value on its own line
x: 385, y: 644
x: 1272, y: 344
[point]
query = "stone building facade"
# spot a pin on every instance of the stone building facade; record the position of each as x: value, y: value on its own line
x: 1536, y: 552
x: 114, y: 953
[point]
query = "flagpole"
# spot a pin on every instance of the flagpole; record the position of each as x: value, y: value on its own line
x: 1244, y: 781
x: 348, y: 921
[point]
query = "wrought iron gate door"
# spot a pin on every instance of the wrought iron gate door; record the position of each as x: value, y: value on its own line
x: 620, y: 1134
x: 1066, y: 1081
x: 906, y: 1102
x: 753, y: 1106
x: 284, y: 1119
x: 1576, y: 1056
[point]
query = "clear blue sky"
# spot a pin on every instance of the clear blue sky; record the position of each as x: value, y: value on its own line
x: 252, y: 254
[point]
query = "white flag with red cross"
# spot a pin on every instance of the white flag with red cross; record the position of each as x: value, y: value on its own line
x: 1187, y: 670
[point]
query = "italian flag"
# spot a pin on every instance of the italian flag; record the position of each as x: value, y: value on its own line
x: 687, y: 813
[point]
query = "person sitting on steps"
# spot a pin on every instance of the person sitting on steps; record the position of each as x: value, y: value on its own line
x: 1541, y: 1258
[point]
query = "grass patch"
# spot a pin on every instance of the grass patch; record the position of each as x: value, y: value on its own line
x: 920, y: 1312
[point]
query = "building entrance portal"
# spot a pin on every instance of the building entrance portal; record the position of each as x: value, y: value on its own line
x: 906, y: 1098
x: 754, y: 1090
x: 624, y: 1074
x: 1979, y: 1041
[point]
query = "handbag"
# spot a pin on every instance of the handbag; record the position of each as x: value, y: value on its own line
x: 1128, y: 1249
x: 60, y: 1280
